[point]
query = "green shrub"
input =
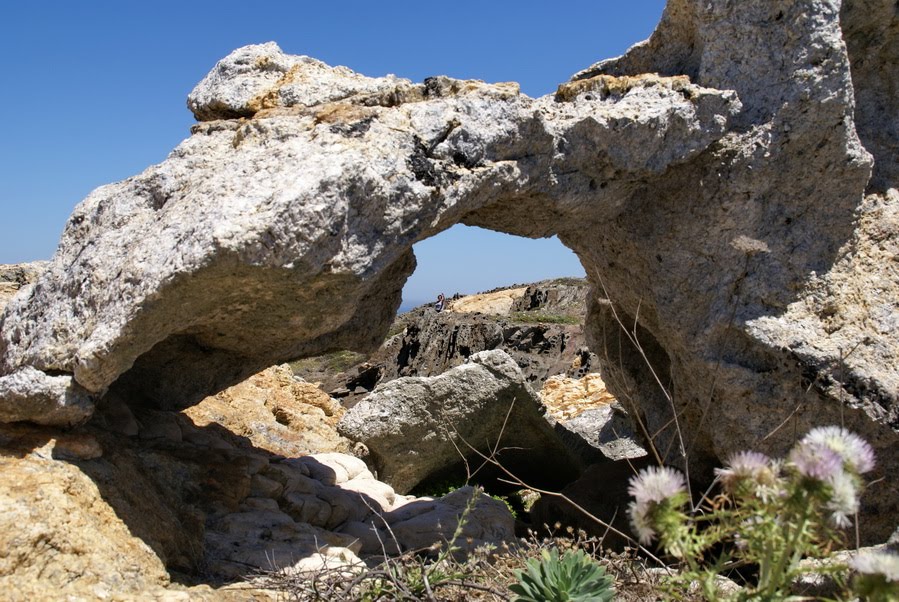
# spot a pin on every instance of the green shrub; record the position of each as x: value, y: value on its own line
x: 572, y: 577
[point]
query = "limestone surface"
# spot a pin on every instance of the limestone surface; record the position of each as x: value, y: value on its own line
x: 278, y: 412
x: 715, y: 181
x: 15, y: 276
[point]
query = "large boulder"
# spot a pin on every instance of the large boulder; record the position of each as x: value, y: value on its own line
x: 422, y: 427
x: 752, y: 293
x: 712, y: 181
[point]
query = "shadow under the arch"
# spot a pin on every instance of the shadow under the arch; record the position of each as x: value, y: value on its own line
x: 213, y: 507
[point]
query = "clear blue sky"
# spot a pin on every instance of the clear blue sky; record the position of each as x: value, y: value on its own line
x: 94, y: 91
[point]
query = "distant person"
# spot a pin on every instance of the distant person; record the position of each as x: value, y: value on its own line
x: 441, y: 303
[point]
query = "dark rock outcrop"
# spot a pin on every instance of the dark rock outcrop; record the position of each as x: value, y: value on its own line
x: 430, y: 343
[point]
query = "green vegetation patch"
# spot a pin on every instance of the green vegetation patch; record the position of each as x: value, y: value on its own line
x: 539, y: 317
x: 336, y: 361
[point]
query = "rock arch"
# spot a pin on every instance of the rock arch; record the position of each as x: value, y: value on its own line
x: 720, y: 206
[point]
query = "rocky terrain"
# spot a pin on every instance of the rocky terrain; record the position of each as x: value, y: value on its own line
x: 540, y: 325
x: 150, y: 502
x: 14, y: 277
x: 419, y: 427
x: 729, y: 185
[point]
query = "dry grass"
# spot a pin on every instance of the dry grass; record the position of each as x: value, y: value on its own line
x: 483, y: 575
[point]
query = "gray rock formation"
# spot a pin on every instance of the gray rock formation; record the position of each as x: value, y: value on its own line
x: 567, y: 296
x: 724, y: 211
x: 760, y: 280
x: 299, y: 508
x: 419, y: 524
x: 602, y: 435
x: 416, y: 427
x: 290, y: 234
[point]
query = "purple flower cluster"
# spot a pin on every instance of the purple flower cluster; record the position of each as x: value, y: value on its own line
x: 856, y: 454
x: 834, y: 456
x: 824, y: 468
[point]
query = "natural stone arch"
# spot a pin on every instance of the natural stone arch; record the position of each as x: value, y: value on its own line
x: 310, y: 211
x: 722, y: 203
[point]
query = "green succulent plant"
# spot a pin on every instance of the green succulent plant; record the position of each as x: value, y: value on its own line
x: 573, y: 577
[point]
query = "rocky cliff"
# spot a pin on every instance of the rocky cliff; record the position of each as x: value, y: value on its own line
x: 729, y: 186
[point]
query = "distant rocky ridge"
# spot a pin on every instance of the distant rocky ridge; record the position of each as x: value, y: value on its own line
x: 540, y: 326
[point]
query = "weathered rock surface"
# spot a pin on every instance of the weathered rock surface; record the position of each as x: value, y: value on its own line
x: 419, y: 524
x: 27, y: 393
x: 497, y: 303
x: 418, y: 427
x: 15, y: 276
x: 766, y: 304
x: 566, y: 397
x: 719, y: 209
x: 136, y: 499
x: 563, y: 296
x: 293, y: 210
x: 278, y: 412
x: 602, y: 434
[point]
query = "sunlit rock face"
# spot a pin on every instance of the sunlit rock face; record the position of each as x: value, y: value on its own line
x: 289, y: 233
x: 718, y: 205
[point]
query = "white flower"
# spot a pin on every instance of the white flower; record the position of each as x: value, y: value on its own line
x: 642, y: 522
x: 856, y: 454
x: 650, y: 487
x: 656, y: 484
x: 843, y: 498
x: 753, y: 468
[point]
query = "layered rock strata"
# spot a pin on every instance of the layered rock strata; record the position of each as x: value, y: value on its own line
x: 712, y: 181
